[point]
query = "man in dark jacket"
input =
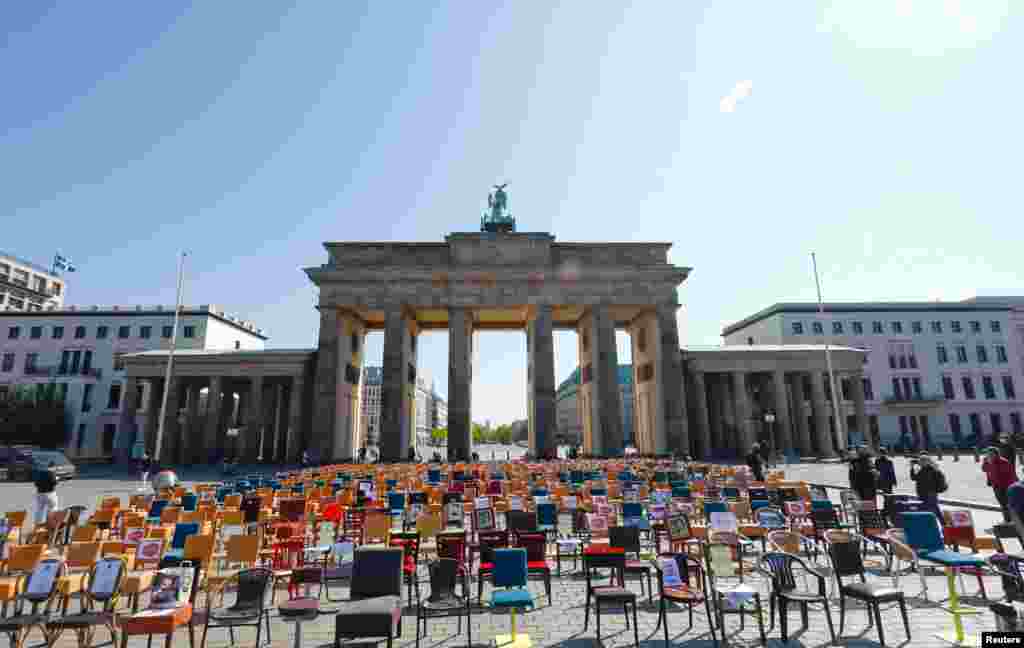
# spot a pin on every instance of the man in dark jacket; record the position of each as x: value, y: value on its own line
x: 929, y: 482
x: 886, y: 471
x: 863, y: 479
x: 756, y: 463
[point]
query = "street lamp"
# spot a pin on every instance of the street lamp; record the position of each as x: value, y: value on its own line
x: 769, y: 419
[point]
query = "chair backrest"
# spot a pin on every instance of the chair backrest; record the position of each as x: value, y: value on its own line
x: 1011, y: 569
x: 547, y: 514
x: 490, y: 541
x: 156, y: 508
x: 626, y: 537
x: 521, y: 521
x: 871, y: 520
x: 770, y: 518
x: 181, y: 532
x: 452, y: 545
x: 714, y: 507
x: 787, y: 541
x: 846, y: 559
x: 24, y: 558
x: 85, y: 533
x: 678, y: 527
x: 199, y: 548
x: 83, y: 554
x: 780, y: 566
x: 443, y: 575
x: 105, y: 580
x: 535, y: 545
x: 42, y: 582
x: 376, y: 571
x: 923, y: 532
x: 509, y: 568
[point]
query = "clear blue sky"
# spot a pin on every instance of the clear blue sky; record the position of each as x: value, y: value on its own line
x: 884, y: 135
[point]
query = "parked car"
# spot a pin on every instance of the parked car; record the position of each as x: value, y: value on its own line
x: 28, y: 458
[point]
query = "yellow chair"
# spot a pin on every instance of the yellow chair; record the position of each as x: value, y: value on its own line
x: 140, y: 579
x: 78, y: 561
x: 242, y: 553
x: 87, y: 533
x: 23, y: 559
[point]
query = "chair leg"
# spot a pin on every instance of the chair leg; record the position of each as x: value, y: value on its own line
x: 636, y: 627
x: 662, y: 617
x: 878, y: 621
x: 828, y: 617
x: 586, y: 612
x: 771, y: 610
x: 597, y: 611
x: 906, y: 619
x: 783, y: 621
x: 842, y: 613
x: 760, y: 621
x: 625, y: 614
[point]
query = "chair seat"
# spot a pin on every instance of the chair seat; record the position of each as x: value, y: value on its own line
x: 8, y: 588
x: 444, y: 602
x: 871, y: 591
x: 612, y: 593
x: 339, y: 572
x: 638, y: 566
x: 137, y: 582
x: 516, y: 598
x: 15, y: 623
x: 538, y: 564
x: 234, y: 614
x: 682, y: 593
x: 372, y: 617
x: 795, y: 595
x: 952, y: 558
x: 83, y: 619
x: 486, y: 566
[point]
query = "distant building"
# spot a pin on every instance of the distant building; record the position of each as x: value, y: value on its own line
x: 568, y: 419
x: 431, y: 409
x: 25, y: 286
x: 370, y: 429
x: 936, y: 373
x: 77, y: 352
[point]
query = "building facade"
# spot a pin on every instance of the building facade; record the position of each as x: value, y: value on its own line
x: 936, y: 373
x: 26, y: 286
x: 370, y: 423
x: 431, y: 410
x: 568, y: 418
x: 81, y: 351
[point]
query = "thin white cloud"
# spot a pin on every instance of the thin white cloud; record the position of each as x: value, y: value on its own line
x: 739, y: 92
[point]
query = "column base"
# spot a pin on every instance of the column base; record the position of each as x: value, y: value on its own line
x: 506, y: 641
x: 950, y: 637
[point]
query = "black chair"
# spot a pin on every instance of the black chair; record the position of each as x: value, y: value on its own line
x: 1005, y: 531
x: 248, y: 609
x: 374, y: 608
x: 520, y: 521
x: 691, y: 591
x: 610, y: 594
x: 846, y: 561
x: 40, y: 592
x: 443, y: 601
x: 629, y: 539
x: 1010, y: 568
x: 98, y: 604
x: 779, y: 566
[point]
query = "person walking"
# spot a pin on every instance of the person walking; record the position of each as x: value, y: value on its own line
x: 886, y: 471
x: 863, y: 478
x: 46, y: 493
x: 756, y: 463
x: 929, y: 481
x: 1000, y: 475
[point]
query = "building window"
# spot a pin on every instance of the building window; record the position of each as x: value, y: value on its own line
x: 995, y: 326
x: 876, y: 327
x: 355, y: 341
x: 81, y: 437
x: 997, y: 423
x: 903, y: 361
x: 817, y: 328
x: 982, y: 353
x: 102, y: 332
x: 750, y: 341
x: 897, y: 328
x: 1015, y: 426
x: 119, y: 363
x: 13, y: 333
x: 87, y: 397
x: 124, y: 331
x: 961, y: 353
x: 975, y: 427
x: 79, y: 332
x: 858, y: 328
x: 915, y: 327
x: 937, y: 327
x: 1001, y: 354
x: 190, y: 331
x: 912, y: 361
x: 869, y: 391
x: 30, y: 363
x: 916, y: 382
x: 109, y: 432
x: 1011, y: 393
x: 58, y: 333
x: 975, y: 326
x: 941, y: 353
x: 145, y: 332
x: 896, y: 392
x: 955, y: 326
x: 947, y: 388
x: 114, y: 397
x: 837, y: 328
x: 8, y: 363
x: 166, y: 332
x: 988, y: 387
x: 892, y: 361
x: 35, y: 332
x: 76, y: 361
x: 238, y: 345
x: 65, y: 357
x: 798, y: 328
x: 954, y: 427
x: 87, y: 363
x: 968, y: 384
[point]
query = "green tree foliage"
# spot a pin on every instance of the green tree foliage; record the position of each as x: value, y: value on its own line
x: 35, y: 417
x: 439, y: 435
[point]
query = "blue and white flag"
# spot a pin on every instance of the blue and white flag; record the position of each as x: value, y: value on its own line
x: 61, y: 262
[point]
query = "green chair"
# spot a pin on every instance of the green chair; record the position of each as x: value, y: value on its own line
x: 510, y: 576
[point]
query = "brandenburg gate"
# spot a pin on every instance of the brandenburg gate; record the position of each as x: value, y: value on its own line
x: 499, y: 279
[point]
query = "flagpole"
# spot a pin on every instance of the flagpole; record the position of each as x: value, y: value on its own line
x: 158, y: 442
x: 836, y: 395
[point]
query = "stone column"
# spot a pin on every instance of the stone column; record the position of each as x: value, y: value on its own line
x: 802, y: 441
x: 819, y: 409
x: 153, y: 412
x: 460, y: 382
x: 272, y: 441
x: 744, y: 432
x: 607, y: 404
x: 338, y: 370
x: 129, y: 409
x: 859, y: 411
x: 173, y: 442
x: 783, y: 431
x: 703, y: 430
x: 193, y: 433
x: 293, y: 446
x: 213, y: 435
x: 541, y: 382
x: 254, y: 419
x: 671, y: 432
x: 398, y: 386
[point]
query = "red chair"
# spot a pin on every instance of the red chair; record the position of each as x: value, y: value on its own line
x: 409, y: 542
x: 536, y: 557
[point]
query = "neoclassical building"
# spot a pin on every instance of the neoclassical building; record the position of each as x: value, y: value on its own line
x: 272, y: 405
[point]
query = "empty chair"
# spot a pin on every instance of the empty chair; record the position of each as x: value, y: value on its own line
x: 846, y: 561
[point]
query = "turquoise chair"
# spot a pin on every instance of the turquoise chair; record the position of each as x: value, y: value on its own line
x: 510, y: 576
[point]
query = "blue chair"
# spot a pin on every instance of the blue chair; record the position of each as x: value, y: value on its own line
x: 396, y: 505
x: 758, y: 504
x: 434, y: 476
x: 391, y: 484
x: 681, y: 492
x: 731, y: 492
x: 176, y: 551
x: 189, y: 502
x: 599, y: 491
x: 714, y: 507
x: 510, y: 575
x: 298, y: 489
x: 923, y: 534
x: 821, y: 505
x: 633, y: 515
x: 539, y: 492
x: 547, y: 518
x: 156, y: 509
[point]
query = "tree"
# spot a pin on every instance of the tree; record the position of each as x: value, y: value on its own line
x: 439, y: 435
x: 33, y: 416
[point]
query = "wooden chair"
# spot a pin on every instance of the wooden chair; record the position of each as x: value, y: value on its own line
x: 23, y: 559
x: 79, y: 560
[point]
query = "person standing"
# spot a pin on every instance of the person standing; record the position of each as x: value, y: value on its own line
x: 929, y: 482
x: 756, y: 463
x: 863, y: 478
x: 1009, y: 450
x: 886, y: 472
x: 46, y: 493
x: 1000, y: 475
